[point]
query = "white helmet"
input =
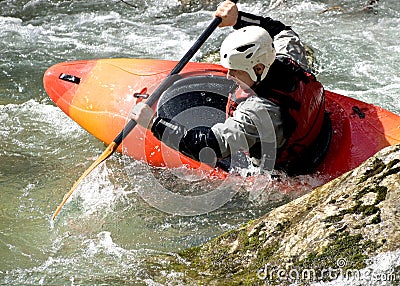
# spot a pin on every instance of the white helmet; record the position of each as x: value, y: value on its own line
x: 246, y: 47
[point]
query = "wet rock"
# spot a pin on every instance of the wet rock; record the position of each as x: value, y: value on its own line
x: 369, y: 6
x: 337, y: 226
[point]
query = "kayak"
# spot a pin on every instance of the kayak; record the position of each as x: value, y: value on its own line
x: 99, y: 95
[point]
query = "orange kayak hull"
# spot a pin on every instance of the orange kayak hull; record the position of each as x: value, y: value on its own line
x: 100, y: 94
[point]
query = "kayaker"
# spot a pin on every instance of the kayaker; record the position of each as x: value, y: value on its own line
x: 267, y: 56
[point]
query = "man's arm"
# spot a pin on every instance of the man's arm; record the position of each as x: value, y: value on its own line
x: 188, y: 142
x: 273, y: 27
x: 231, y: 16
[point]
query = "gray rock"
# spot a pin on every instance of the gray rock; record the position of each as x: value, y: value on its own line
x: 337, y: 226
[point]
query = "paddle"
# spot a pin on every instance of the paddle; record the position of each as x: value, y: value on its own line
x: 150, y: 101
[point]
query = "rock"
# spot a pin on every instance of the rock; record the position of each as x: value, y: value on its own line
x: 336, y: 226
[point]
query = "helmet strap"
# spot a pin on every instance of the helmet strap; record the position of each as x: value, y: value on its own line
x: 258, y: 78
x: 256, y: 83
x: 258, y: 70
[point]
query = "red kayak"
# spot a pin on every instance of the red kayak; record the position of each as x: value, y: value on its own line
x: 99, y: 94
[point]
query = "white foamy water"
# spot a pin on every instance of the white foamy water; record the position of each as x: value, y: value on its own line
x: 106, y: 230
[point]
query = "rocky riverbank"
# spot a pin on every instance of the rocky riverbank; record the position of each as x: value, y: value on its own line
x: 335, y: 228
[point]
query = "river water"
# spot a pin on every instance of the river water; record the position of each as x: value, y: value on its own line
x: 104, y: 233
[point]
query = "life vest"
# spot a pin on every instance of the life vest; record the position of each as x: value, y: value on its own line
x: 302, y: 102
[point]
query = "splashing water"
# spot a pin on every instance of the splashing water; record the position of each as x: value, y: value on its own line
x: 106, y: 230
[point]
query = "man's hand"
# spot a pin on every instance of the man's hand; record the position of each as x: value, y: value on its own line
x: 228, y: 12
x: 143, y: 115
